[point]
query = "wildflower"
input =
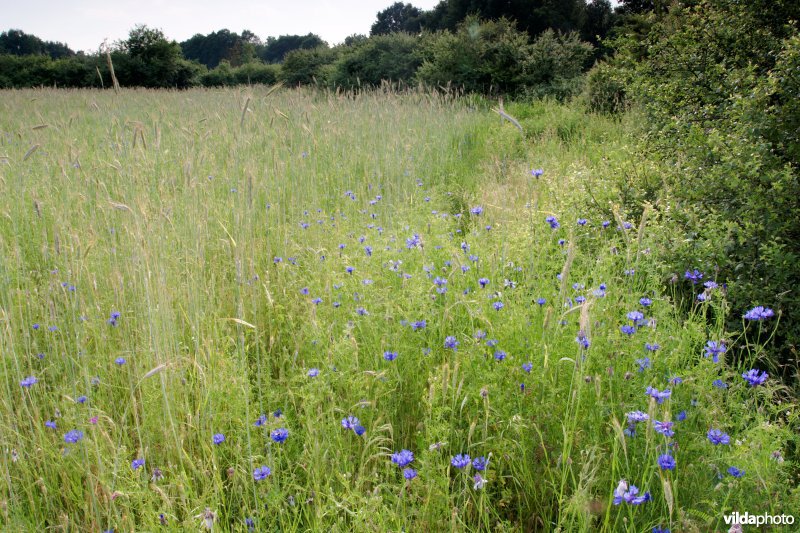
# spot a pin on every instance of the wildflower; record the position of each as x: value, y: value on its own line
x: 579, y: 299
x: 643, y: 363
x: 419, y: 324
x: 681, y: 416
x: 651, y: 347
x: 583, y: 340
x: 499, y: 355
x: 735, y: 472
x: 218, y: 438
x: 120, y: 361
x: 666, y: 462
x: 491, y: 343
x: 552, y: 221
x: 261, y: 473
x: 250, y: 523
x: 460, y: 461
x: 645, y: 302
x: 623, y: 493
x: 368, y: 251
x: 483, y: 282
x: 480, y: 334
x: 665, y: 428
x: 710, y: 285
x: 718, y: 383
x: 527, y: 367
x: 409, y: 473
x: 390, y: 356
x: 635, y: 316
x: 479, y: 463
x: 659, y: 396
x: 480, y: 482
x: 605, y: 224
x: 627, y: 330
x: 659, y: 529
x: 498, y: 306
x: 359, y: 430
x: 36, y: 326
x: 113, y: 318
x: 81, y: 399
x: 759, y: 313
x: 476, y: 210
x: 755, y: 377
x: 451, y: 342
x: 403, y: 458
x: 717, y: 437
x: 676, y: 380
x: 360, y: 311
x: 261, y: 420
x: 314, y: 372
x: 637, y: 416
x: 541, y: 301
x: 693, y: 276
x: 536, y: 172
x: 50, y: 424
x: 316, y: 301
x: 279, y: 435
x: 350, y: 422
x: 582, y: 221
x: 714, y: 349
x: 157, y: 475
x: 28, y: 382
x: 136, y: 464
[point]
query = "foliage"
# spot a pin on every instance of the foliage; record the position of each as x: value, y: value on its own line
x: 717, y: 81
x: 397, y: 18
x: 276, y: 48
x: 19, y: 43
x: 220, y: 45
x: 308, y: 67
x: 393, y: 57
x: 605, y: 89
x: 494, y: 57
x: 248, y: 74
x: 147, y: 59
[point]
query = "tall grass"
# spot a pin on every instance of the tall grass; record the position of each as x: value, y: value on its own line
x: 222, y: 262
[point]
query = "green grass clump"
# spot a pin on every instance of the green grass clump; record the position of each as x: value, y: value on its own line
x: 177, y: 266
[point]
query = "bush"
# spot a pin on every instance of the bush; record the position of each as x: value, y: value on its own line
x: 393, y: 57
x: 604, y: 91
x: 307, y: 67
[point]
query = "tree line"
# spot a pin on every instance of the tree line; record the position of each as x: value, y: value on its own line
x: 519, y: 46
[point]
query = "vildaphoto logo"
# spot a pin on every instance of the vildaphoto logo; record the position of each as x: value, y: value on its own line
x: 738, y: 518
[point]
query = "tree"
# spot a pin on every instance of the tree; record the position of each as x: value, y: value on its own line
x: 19, y: 43
x: 398, y: 17
x: 275, y: 49
x: 147, y: 59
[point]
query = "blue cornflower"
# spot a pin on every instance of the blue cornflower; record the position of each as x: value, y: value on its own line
x: 491, y: 343
x: 460, y: 460
x: 218, y: 438
x: 651, y: 347
x: 643, y: 363
x: 279, y: 435
x: 120, y: 361
x: 368, y: 251
x: 623, y: 493
x: 483, y: 282
x: 304, y: 291
x: 681, y: 416
x: 419, y: 324
x: 561, y: 242
x: 409, y: 473
x: 735, y: 472
x: 50, y: 424
x: 759, y: 313
x: 627, y: 330
x: 480, y: 334
x: 403, y: 458
x: 313, y: 372
x: 541, y: 301
x: 659, y: 529
x: 536, y: 172
x: 390, y: 356
x: 477, y: 210
x: 659, y: 396
x: 261, y: 420
x: 499, y: 355
x: 527, y: 367
x: 359, y: 430
x: 28, y: 382
x: 451, y: 342
x: 350, y: 422
x: 136, y: 464
x: 580, y: 299
x: 666, y: 462
x: 635, y: 316
x: 755, y: 377
x: 718, y: 383
x: 36, y: 326
x: 316, y: 301
x: 717, y: 437
x: 582, y: 221
x: 261, y: 473
x: 498, y: 306
x: 605, y: 224
x: 552, y: 221
x: 637, y: 416
x: 645, y: 302
x: 479, y: 463
x: 583, y: 340
x: 715, y: 349
x: 693, y: 276
x: 81, y: 399
x: 665, y: 428
x: 360, y: 311
x: 676, y: 380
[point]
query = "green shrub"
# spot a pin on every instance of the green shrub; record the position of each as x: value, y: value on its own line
x: 392, y: 57
x: 604, y: 91
x: 307, y: 67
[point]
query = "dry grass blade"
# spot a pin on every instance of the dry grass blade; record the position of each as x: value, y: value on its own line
x: 30, y: 151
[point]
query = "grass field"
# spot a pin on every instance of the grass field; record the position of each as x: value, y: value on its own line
x: 356, y: 292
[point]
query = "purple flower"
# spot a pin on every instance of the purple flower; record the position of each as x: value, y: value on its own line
x: 451, y: 342
x: 623, y: 493
x: 261, y: 473
x: 460, y: 460
x: 483, y: 282
x: 409, y: 473
x: 718, y: 383
x: 659, y: 396
x: 627, y: 330
x: 645, y: 302
x: 497, y: 306
x: 666, y: 462
x: 314, y: 372
x: 582, y: 340
x: 714, y: 349
x: 304, y: 291
x: 536, y: 172
x: 541, y: 301
x: 120, y: 361
x: 759, y: 313
x: 350, y: 422
x: 480, y: 482
x: 651, y: 347
x: 51, y: 424
x: 403, y: 458
x: 735, y: 472
x: 643, y: 363
x: 637, y: 416
x: 390, y: 356
x: 665, y: 428
x: 279, y: 435
x: 693, y: 276
x: 717, y: 437
x: 552, y: 221
x: 72, y: 436
x: 419, y: 324
x: 479, y: 463
x: 635, y: 316
x: 755, y: 377
x: 527, y: 367
x: 476, y: 210
x: 218, y: 438
x: 28, y: 382
x: 136, y: 464
x: 359, y: 430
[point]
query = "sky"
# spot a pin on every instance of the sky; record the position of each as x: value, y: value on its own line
x: 85, y: 24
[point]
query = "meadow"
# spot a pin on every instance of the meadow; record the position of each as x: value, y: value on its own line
x: 289, y: 310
